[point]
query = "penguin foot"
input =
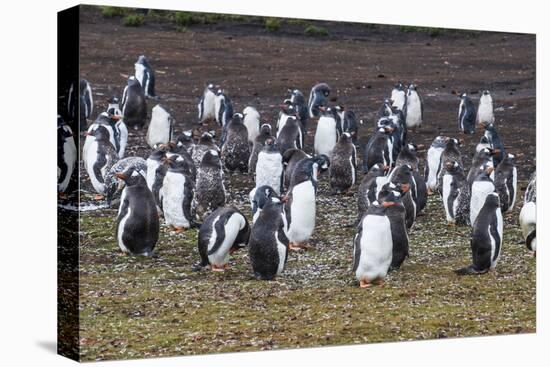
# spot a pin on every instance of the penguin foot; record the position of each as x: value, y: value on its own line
x: 179, y: 229
x: 226, y: 267
x: 451, y: 224
x: 217, y: 268
x: 122, y: 253
x: 430, y: 192
x: 294, y: 246
x: 378, y: 282
x: 364, y: 284
x: 99, y: 197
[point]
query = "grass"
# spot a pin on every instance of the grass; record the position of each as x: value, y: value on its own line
x: 112, y: 11
x: 133, y: 20
x: 134, y: 307
x: 272, y: 24
x: 315, y: 31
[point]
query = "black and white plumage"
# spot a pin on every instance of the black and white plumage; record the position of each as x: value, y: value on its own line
x: 118, y: 133
x: 399, y: 97
x: 451, y: 153
x: 287, y: 110
x: 137, y: 229
x: 396, y: 122
x: 251, y: 119
x: 156, y: 170
x: 433, y: 158
x: 185, y: 160
x: 259, y: 196
x: 506, y: 182
x: 403, y: 178
x: 223, y: 108
x: 66, y: 155
x: 466, y: 115
x: 134, y: 105
x: 207, y: 104
x: 495, y: 142
x: 206, y: 143
x: 485, y: 113
x: 85, y: 102
x: 317, y: 98
x: 268, y: 244
x: 290, y: 158
x: 370, y: 186
x: 528, y: 215
x: 327, y: 133
x: 210, y: 191
x: 486, y: 239
x: 483, y: 143
x: 291, y: 135
x: 235, y: 148
x: 145, y: 76
x: 184, y: 141
x: 223, y: 232
x: 379, y: 149
x: 269, y: 169
x: 482, y: 187
x: 161, y: 126
x: 347, y: 121
x: 113, y: 186
x: 298, y: 100
x: 100, y: 157
x: 454, y: 182
x: 408, y: 155
x: 265, y: 133
x: 415, y: 108
x: 390, y: 197
x: 177, y: 195
x: 343, y: 167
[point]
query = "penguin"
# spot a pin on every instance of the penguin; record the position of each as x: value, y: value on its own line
x: 298, y: 101
x: 177, y: 195
x: 185, y: 159
x: 318, y: 97
x: 206, y: 143
x: 451, y: 153
x: 348, y: 121
x: 134, y: 105
x: 299, y: 205
x: 466, y: 115
x: 113, y: 186
x: 100, y: 158
x: 486, y: 237
x: 265, y: 133
x: 259, y: 196
x: 390, y: 197
x: 453, y: 184
x: 210, y: 191
x: 373, y: 246
x: 528, y: 215
x: 408, y: 155
x: 385, y: 109
x: 184, y: 141
x: 399, y: 130
x: 252, y: 123
x: 343, y: 167
x: 113, y: 107
x: 286, y: 111
x: 118, y: 133
x: 494, y: 141
x: 483, y: 143
x: 66, y: 155
x: 137, y: 229
x: 268, y: 244
x: 86, y: 103
x: 269, y: 169
x: 370, y: 186
x: 145, y: 76
x: 403, y: 178
x: 415, y: 108
x: 379, y: 149
x: 224, y: 109
x: 290, y: 158
x: 399, y: 97
x: 235, y: 149
x: 291, y: 135
x: 207, y: 103
x: 481, y: 188
x: 506, y: 182
x: 161, y: 126
x: 328, y: 132
x: 156, y: 172
x: 432, y: 163
x: 222, y: 233
x: 485, y: 113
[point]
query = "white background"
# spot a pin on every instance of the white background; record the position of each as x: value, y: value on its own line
x: 28, y: 181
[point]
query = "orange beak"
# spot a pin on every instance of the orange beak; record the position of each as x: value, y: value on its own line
x: 405, y: 187
x: 120, y: 175
x: 387, y: 204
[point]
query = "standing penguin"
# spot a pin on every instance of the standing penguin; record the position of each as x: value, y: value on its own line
x: 207, y: 103
x: 145, y: 76
x: 398, y: 136
x: 482, y: 187
x: 210, y: 190
x: 287, y: 111
x: 137, y: 229
x: 161, y: 126
x: 290, y: 158
x: 528, y: 215
x: 66, y: 155
x: 506, y: 182
x: 372, y: 246
x: 259, y: 196
x: 486, y: 240
x: 113, y: 186
x: 235, y: 148
x: 495, y: 142
x: 252, y: 123
x: 156, y: 172
x: 118, y: 133
x: 432, y: 163
x: 466, y: 115
x: 485, y: 113
x: 184, y: 141
x: 408, y: 155
x: 177, y: 195
x: 223, y: 232
x: 403, y: 178
x: 298, y: 100
x: 318, y: 97
x: 399, y: 97
x: 343, y: 167
x: 370, y: 186
x: 269, y: 169
x: 224, y: 108
x: 100, y: 157
x: 453, y: 184
x: 379, y: 149
x: 291, y: 135
x: 483, y: 143
x: 348, y: 121
x: 390, y: 197
x: 327, y: 133
x: 86, y: 103
x: 206, y: 143
x: 265, y: 133
x: 268, y: 244
x: 134, y: 106
x: 451, y: 153
x: 415, y: 108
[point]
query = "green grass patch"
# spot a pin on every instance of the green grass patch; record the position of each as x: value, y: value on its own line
x: 133, y: 20
x: 272, y: 24
x: 312, y: 30
x: 112, y: 11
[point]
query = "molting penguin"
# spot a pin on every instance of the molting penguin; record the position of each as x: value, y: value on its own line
x: 318, y: 97
x: 184, y: 141
x: 343, y: 167
x: 269, y: 170
x: 290, y: 158
x: 177, y: 195
x: 112, y: 184
x: 528, y: 215
x: 224, y: 108
x: 370, y: 186
x: 453, y: 184
x: 185, y: 159
x: 291, y: 135
x: 390, y: 197
x: 327, y: 133
x: 118, y: 133
x: 252, y: 123
x: 486, y: 240
x: 379, y: 149
x: 265, y: 133
x: 66, y: 154
x: 451, y: 153
x: 206, y: 143
x: 134, y: 106
x: 433, y: 158
x: 161, y: 126
x: 268, y: 243
x: 210, y: 190
x: 137, y: 229
x: 415, y: 108
x: 506, y: 182
x: 495, y: 142
x: 145, y: 76
x: 207, y: 103
x: 259, y: 196
x: 485, y: 112
x: 466, y: 115
x: 100, y: 157
x: 348, y: 121
x: 298, y: 100
x: 482, y: 187
x: 408, y: 155
x: 223, y: 232
x: 235, y: 148
x: 399, y: 97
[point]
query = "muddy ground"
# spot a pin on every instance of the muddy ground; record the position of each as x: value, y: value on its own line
x: 132, y: 307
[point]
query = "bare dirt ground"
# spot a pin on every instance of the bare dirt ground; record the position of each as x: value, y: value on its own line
x: 132, y: 307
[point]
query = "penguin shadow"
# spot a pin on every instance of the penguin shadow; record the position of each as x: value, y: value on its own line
x: 49, y: 346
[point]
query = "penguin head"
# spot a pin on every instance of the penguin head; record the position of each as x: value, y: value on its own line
x: 131, y: 177
x: 270, y: 145
x: 339, y: 108
x: 184, y: 138
x: 399, y: 86
x: 492, y: 200
x: 143, y: 61
x: 345, y: 138
x: 237, y: 118
x: 412, y: 88
x: 323, y: 162
x: 100, y: 133
x: 262, y: 195
x: 211, y: 159
x: 510, y: 158
x: 158, y: 154
x: 463, y: 95
x: 207, y: 137
x: 486, y: 93
x: 322, y: 89
x: 412, y: 147
x: 402, y: 175
x: 265, y: 129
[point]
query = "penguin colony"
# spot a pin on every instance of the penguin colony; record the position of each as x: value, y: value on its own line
x: 182, y: 180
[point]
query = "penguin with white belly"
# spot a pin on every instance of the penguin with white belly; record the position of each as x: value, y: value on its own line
x: 137, y: 229
x: 185, y: 158
x: 506, y: 182
x: 251, y: 119
x: 291, y: 135
x: 290, y: 158
x: 398, y: 136
x: 453, y: 184
x: 184, y: 141
x: 370, y: 186
x: 343, y: 167
x: 156, y: 172
x: 86, y: 102
x: 66, y: 155
x: 403, y: 178
x: 269, y: 169
x: 433, y: 158
x: 466, y: 115
x: 224, y: 109
x: 379, y: 149
x: 486, y: 239
x: 259, y: 196
x: 348, y: 122
x: 286, y: 111
x: 328, y: 132
x: 207, y: 103
x: 118, y: 133
x: 134, y: 105
x: 317, y: 98
x: 399, y: 97
x: 298, y: 100
x: 528, y: 215
x: 390, y: 196
x: 451, y: 153
x: 146, y: 76
x: 483, y: 143
x: 482, y: 187
x: 206, y: 143
x: 177, y: 195
x: 235, y: 148
x: 385, y: 109
x: 415, y: 108
x: 210, y: 191
x: 268, y: 244
x: 495, y: 142
x: 100, y: 158
x: 485, y: 113
x: 222, y: 233
x: 408, y: 155
x: 161, y: 126
x: 113, y: 186
x: 259, y: 142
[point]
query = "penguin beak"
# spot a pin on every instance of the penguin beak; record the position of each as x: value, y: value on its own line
x: 87, y: 133
x: 322, y: 108
x: 120, y: 175
x: 490, y: 170
x: 405, y: 187
x: 116, y: 117
x: 495, y: 152
x: 386, y: 168
x: 387, y: 204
